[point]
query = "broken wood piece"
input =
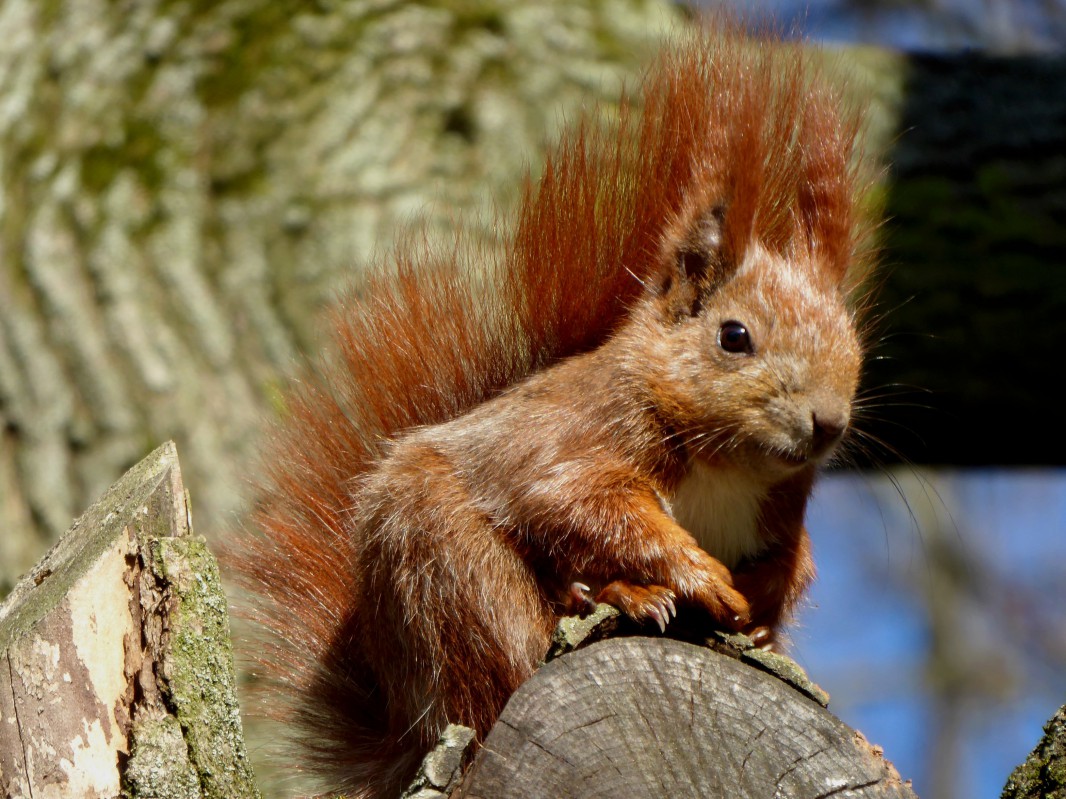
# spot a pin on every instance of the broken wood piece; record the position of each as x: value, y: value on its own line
x: 116, y: 673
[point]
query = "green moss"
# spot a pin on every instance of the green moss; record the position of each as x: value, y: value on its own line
x: 199, y: 669
x: 1043, y: 774
x: 1057, y: 773
x: 474, y: 14
x: 139, y: 151
x: 50, y: 12
x: 159, y: 762
x: 255, y: 43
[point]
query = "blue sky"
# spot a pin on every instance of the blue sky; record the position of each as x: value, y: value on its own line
x: 868, y: 638
x: 999, y: 25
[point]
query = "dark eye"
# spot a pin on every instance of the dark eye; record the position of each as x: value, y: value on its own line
x: 733, y: 337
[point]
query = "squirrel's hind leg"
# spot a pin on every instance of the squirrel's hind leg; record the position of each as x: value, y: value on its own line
x: 456, y: 614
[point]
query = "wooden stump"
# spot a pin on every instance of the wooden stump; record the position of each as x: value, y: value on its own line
x: 116, y: 673
x: 654, y: 717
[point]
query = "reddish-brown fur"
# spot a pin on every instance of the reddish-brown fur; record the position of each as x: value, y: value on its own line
x: 496, y: 428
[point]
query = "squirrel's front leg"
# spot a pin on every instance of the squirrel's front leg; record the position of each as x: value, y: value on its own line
x: 619, y: 537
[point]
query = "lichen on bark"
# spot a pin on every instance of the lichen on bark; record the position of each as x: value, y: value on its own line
x: 1043, y: 774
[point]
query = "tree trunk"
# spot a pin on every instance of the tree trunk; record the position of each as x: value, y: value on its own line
x: 183, y: 187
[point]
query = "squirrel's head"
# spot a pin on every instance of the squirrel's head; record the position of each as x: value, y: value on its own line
x: 759, y: 350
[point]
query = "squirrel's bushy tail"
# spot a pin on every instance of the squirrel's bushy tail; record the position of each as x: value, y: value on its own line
x: 439, y: 330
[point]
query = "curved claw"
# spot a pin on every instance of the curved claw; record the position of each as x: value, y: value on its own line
x: 579, y: 601
x: 671, y: 606
x: 656, y: 613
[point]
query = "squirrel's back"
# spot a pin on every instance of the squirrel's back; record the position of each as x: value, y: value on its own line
x: 428, y: 498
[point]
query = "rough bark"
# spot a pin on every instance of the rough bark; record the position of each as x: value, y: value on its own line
x: 116, y: 673
x: 183, y: 186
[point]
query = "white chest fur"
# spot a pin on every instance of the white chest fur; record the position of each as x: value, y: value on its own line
x: 720, y: 507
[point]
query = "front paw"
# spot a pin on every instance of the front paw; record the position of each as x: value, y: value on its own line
x: 641, y: 602
x: 708, y: 584
x: 724, y: 603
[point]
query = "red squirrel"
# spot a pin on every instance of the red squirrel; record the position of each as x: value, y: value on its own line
x: 633, y: 394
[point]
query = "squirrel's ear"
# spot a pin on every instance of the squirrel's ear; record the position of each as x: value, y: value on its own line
x: 699, y: 253
x: 696, y: 260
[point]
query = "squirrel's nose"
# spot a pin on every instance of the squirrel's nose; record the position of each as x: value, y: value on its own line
x: 827, y: 427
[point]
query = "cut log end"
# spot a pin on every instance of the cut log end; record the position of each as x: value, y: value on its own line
x: 659, y: 717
